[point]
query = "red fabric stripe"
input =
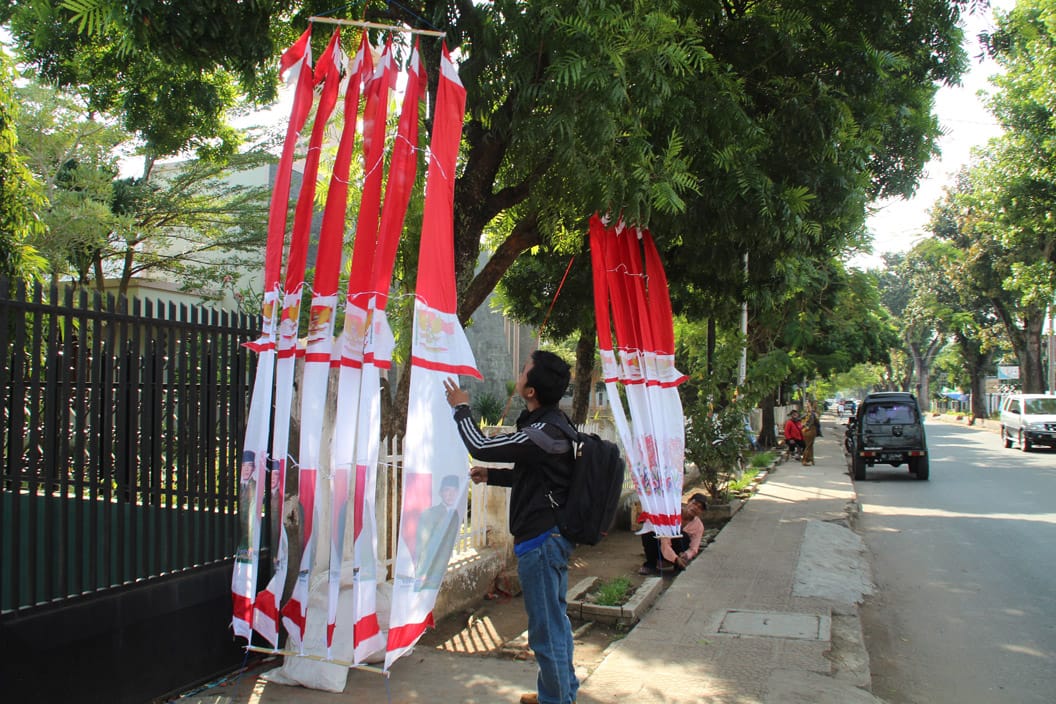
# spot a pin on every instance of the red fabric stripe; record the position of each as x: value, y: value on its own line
x: 408, y: 635
x: 635, y: 280
x: 295, y: 53
x: 366, y: 628
x: 353, y: 363
x: 436, y: 283
x: 374, y: 118
x: 258, y: 346
x: 661, y: 519
x: 659, y: 297
x: 601, y: 287
x: 369, y: 358
x: 266, y: 605
x: 618, y: 292
x: 327, y: 74
x: 280, y: 194
x: 242, y: 607
x: 442, y: 367
x: 294, y: 612
x: 317, y: 357
x: 328, y: 259
x: 403, y: 168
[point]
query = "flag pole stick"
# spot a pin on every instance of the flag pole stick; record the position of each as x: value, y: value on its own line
x: 377, y: 25
x: 319, y: 658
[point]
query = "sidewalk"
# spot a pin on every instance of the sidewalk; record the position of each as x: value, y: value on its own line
x: 768, y: 614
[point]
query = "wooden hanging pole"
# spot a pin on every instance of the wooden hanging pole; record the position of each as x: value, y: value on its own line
x: 377, y: 25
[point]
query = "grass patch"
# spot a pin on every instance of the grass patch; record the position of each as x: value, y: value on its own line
x: 745, y: 480
x: 762, y: 459
x: 614, y: 592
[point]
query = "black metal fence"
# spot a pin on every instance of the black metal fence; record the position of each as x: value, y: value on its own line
x: 120, y: 428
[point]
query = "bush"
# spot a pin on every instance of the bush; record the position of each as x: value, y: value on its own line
x: 488, y: 408
x: 714, y: 442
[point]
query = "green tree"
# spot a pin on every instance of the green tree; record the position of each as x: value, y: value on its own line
x: 1003, y: 213
x: 925, y: 286
x: 20, y: 193
x: 975, y: 325
x: 192, y: 220
x: 74, y: 154
x: 170, y: 72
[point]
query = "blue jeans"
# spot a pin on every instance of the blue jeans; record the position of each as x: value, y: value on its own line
x: 544, y: 581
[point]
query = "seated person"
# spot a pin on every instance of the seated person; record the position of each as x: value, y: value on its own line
x: 794, y: 434
x: 670, y: 554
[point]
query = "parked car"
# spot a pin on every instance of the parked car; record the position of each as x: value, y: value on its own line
x: 1028, y: 419
x: 887, y: 429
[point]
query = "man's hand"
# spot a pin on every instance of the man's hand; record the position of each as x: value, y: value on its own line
x: 455, y: 395
x: 479, y: 475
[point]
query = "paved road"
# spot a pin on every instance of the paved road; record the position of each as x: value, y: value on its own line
x: 965, y: 565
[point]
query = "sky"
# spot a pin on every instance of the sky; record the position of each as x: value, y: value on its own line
x: 898, y: 224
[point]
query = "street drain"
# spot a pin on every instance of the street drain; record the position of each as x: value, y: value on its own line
x: 770, y: 624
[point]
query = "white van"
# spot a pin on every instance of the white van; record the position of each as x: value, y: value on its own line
x: 1028, y: 419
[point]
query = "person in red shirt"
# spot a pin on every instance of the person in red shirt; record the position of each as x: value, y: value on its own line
x: 794, y: 434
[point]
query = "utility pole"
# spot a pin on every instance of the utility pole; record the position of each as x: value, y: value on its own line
x: 742, y: 366
x: 1051, y: 355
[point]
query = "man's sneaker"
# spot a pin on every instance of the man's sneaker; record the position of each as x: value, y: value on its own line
x: 531, y: 698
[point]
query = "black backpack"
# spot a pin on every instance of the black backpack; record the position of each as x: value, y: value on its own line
x: 594, y: 488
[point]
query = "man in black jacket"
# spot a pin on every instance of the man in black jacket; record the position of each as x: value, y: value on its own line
x: 542, y: 464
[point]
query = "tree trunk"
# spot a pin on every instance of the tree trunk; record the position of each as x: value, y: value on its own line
x: 978, y: 363
x: 979, y: 392
x: 922, y: 361
x: 583, y: 377
x: 1026, y: 341
x: 767, y: 437
x: 1031, y: 370
x: 711, y: 345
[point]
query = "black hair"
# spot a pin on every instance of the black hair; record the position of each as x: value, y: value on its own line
x: 549, y: 376
x: 700, y: 499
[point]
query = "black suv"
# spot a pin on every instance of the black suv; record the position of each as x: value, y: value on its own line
x: 887, y: 429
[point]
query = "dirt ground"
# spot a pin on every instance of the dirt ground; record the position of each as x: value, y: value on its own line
x: 497, y: 626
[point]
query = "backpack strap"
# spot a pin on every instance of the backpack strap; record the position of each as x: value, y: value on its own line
x: 540, y: 434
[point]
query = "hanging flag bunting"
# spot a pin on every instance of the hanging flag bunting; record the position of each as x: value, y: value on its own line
x: 641, y: 316
x: 318, y: 356
x: 357, y: 325
x: 255, y: 448
x: 266, y: 608
x: 377, y: 355
x: 432, y: 503
x: 328, y: 73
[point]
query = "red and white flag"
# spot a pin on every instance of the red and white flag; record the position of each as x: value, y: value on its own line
x: 313, y: 388
x: 326, y: 278
x: 642, y: 361
x: 254, y: 463
x: 266, y: 610
x: 377, y: 355
x: 435, y: 476
x: 358, y: 326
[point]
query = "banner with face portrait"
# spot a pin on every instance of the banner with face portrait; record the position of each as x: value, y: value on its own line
x: 636, y: 342
x: 296, y: 62
x: 435, y: 464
